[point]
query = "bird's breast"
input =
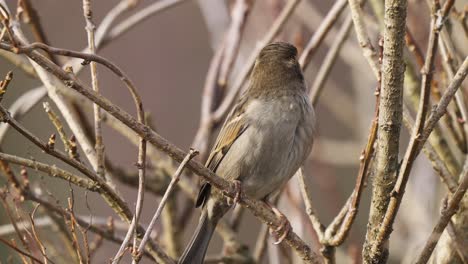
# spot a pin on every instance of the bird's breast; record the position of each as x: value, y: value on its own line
x: 266, y: 155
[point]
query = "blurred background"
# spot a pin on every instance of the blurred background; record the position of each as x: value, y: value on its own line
x: 168, y: 56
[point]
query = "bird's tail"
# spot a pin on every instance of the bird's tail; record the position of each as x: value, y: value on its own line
x: 195, y: 251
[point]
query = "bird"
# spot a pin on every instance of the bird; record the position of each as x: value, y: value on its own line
x: 263, y: 142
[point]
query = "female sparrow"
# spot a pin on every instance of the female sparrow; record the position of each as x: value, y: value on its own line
x: 263, y: 142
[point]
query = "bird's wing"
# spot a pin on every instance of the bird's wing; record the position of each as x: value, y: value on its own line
x: 236, y: 124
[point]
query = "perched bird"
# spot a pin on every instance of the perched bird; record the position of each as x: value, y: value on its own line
x: 263, y: 142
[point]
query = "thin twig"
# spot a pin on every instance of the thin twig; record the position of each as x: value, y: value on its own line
x: 192, y: 153
x: 459, y: 242
x: 72, y: 223
x: 448, y: 55
x: 14, y: 222
x: 455, y: 111
x: 99, y: 145
x: 445, y: 217
x: 335, y: 236
x: 133, y: 91
x: 51, y: 170
x: 329, y: 60
x: 58, y: 126
x: 36, y: 237
x: 439, y: 166
x: 140, y: 16
x: 336, y: 233
x: 98, y: 116
x: 363, y: 38
x: 15, y: 248
x: 30, y: 16
x: 321, y: 32
x: 447, y: 97
x: 4, y: 84
x: 108, y: 233
x: 205, y: 128
x: 414, y: 48
x: 115, y: 202
x: 239, y: 14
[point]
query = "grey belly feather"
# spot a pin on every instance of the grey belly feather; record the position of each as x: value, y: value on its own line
x: 273, y: 152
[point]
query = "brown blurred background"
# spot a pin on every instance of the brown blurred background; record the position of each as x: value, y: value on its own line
x: 168, y: 55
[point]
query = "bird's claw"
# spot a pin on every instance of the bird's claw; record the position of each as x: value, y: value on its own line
x: 282, y: 230
x: 238, y: 189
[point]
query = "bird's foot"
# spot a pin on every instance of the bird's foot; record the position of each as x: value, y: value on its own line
x: 238, y: 187
x: 283, y: 229
x: 238, y: 190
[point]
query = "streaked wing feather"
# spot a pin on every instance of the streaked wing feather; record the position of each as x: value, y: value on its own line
x: 234, y: 127
x: 227, y: 136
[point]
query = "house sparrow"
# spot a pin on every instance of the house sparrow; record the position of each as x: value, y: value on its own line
x: 263, y: 142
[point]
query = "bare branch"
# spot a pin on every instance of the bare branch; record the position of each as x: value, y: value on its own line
x: 390, y: 115
x: 361, y: 32
x: 321, y: 32
x: 99, y: 145
x: 412, y: 149
x: 329, y: 61
x: 192, y: 153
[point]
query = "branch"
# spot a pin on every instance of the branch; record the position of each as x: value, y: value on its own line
x: 321, y: 33
x: 390, y: 116
x: 139, y: 17
x: 15, y: 248
x: 447, y: 97
x: 52, y: 171
x: 329, y: 61
x: 98, y: 142
x: 169, y: 189
x: 412, y: 149
x: 363, y: 38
